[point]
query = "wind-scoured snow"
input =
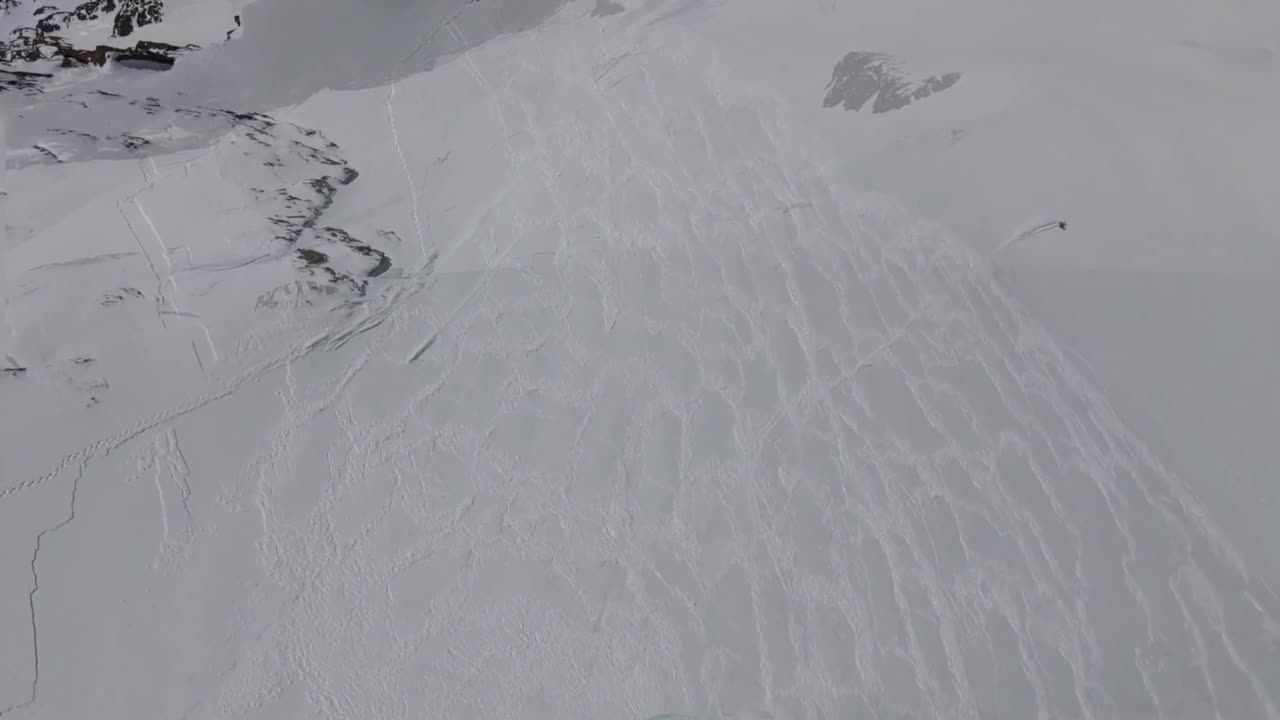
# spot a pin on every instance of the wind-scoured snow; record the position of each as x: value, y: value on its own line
x: 592, y: 370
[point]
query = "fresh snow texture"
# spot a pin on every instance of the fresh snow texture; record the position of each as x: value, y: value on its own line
x: 592, y: 369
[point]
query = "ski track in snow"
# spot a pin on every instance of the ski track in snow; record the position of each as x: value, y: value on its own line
x: 749, y: 445
x: 1025, y: 234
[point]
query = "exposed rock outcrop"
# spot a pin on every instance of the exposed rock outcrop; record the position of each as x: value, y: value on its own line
x: 45, y: 39
x: 861, y: 76
x: 144, y: 54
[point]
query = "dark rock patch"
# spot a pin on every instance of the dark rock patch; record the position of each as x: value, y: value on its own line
x: 75, y: 134
x: 144, y: 54
x: 312, y: 257
x: 48, y: 153
x: 605, y: 8
x: 131, y: 142
x: 24, y: 82
x: 44, y: 40
x: 384, y: 264
x: 120, y: 296
x: 135, y: 14
x: 861, y: 76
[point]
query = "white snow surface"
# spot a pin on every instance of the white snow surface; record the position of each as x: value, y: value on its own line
x: 635, y: 383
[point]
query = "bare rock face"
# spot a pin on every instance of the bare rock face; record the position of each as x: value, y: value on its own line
x: 861, y: 76
x: 144, y: 54
x: 135, y: 14
x: 130, y: 15
x: 45, y: 38
x: 52, y: 19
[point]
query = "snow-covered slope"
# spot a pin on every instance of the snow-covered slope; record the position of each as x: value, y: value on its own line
x: 628, y: 360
